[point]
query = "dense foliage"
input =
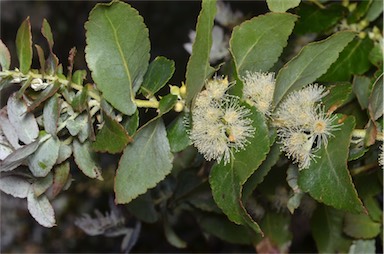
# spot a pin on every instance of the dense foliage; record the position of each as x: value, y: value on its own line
x: 279, y: 122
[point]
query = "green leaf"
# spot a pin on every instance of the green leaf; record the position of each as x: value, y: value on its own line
x: 16, y: 158
x: 361, y: 88
x: 374, y: 10
x: 251, y: 42
x: 198, y: 63
x: 43, y: 160
x: 40, y: 54
x: 86, y: 160
x: 44, y: 95
x: 223, y: 229
x: 258, y: 176
x: 363, y: 246
x: 376, y: 99
x: 80, y: 101
x: 359, y: 11
x: 276, y: 229
x: 177, y: 134
x: 354, y: 59
x: 327, y: 230
x: 143, y: 208
x: 312, y: 61
x: 112, y: 137
x: 144, y: 163
x: 60, y: 177
x: 376, y: 56
x: 5, y: 57
x: 361, y: 226
x: 338, y: 95
x: 327, y: 179
x: 282, y: 5
x: 227, y: 180
x: 320, y: 20
x: 24, y: 46
x: 14, y: 185
x: 51, y: 113
x: 158, y: 74
x: 167, y: 103
x: 132, y: 123
x: 117, y: 52
x: 47, y: 33
x: 79, y: 76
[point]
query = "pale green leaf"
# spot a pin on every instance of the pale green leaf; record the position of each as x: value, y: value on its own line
x: 198, y: 63
x: 41, y: 210
x: 363, y: 246
x: 47, y: 33
x: 312, y: 61
x: 374, y: 11
x: 51, y: 113
x: 86, y: 160
x: 65, y: 152
x: 144, y: 163
x: 282, y: 5
x: 257, y: 44
x: 43, y: 160
x: 42, y: 184
x: 361, y: 226
x: 327, y: 179
x: 5, y: 57
x: 24, y: 46
x: 60, y: 178
x: 117, y: 52
x: 361, y: 88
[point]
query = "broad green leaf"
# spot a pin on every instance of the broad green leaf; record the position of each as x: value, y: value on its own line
x: 361, y: 226
x: 143, y: 208
x: 177, y: 134
x: 60, y: 177
x: 225, y: 230
x: 282, y: 5
x: 24, y: 46
x: 43, y: 160
x: 354, y: 59
x: 327, y: 179
x: 117, y: 52
x: 132, y: 123
x: 374, y: 10
x: 257, y: 44
x: 167, y: 103
x: 159, y: 72
x: 376, y: 55
x: 227, y: 180
x: 16, y: 158
x: 361, y: 88
x: 42, y: 184
x: 320, y: 20
x: 312, y: 61
x: 258, y: 176
x: 86, y: 160
x: 23, y: 122
x: 338, y: 95
x: 363, y: 246
x: 376, y: 99
x: 5, y: 57
x: 327, y: 230
x: 198, y: 63
x: 112, y: 137
x: 144, y: 163
x: 51, y: 113
x: 41, y: 210
x: 276, y: 228
x: 47, y: 33
x: 16, y: 186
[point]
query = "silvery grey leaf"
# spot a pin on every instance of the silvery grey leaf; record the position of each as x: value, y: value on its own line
x: 41, y: 209
x: 51, y: 113
x: 24, y: 122
x: 16, y: 186
x: 85, y: 159
x: 42, y: 184
x: 8, y: 130
x: 16, y: 158
x: 45, y: 157
x: 65, y: 152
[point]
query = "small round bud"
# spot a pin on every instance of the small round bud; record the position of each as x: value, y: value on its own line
x: 179, y: 106
x: 183, y: 90
x: 175, y: 90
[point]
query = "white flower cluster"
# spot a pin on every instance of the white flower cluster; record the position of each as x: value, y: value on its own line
x: 303, y: 125
x: 258, y: 90
x: 219, y: 123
